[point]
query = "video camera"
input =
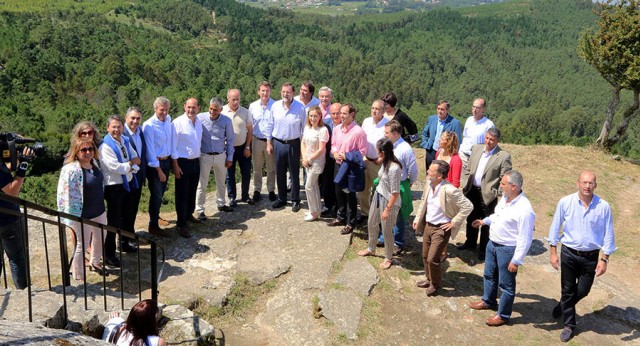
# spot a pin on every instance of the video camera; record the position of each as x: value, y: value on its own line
x: 11, y: 148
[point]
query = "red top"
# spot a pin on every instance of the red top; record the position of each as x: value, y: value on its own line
x: 455, y: 169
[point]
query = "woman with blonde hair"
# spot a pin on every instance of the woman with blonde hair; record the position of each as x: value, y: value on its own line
x: 448, y: 153
x: 81, y: 193
x: 86, y: 129
x: 314, y: 140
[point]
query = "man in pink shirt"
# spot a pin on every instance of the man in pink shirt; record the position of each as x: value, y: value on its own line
x: 346, y: 138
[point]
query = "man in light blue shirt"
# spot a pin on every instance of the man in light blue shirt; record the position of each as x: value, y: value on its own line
x: 436, y: 124
x: 260, y: 111
x: 217, y: 150
x: 587, y: 228
x: 288, y: 124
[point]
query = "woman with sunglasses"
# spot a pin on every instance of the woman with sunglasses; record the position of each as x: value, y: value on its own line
x: 81, y: 193
x: 86, y: 129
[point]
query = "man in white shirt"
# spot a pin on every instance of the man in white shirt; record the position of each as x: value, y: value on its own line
x: 243, y: 134
x: 373, y: 127
x: 185, y: 156
x: 510, y: 238
x: 474, y: 130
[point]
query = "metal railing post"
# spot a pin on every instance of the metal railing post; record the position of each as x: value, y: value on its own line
x: 154, y: 272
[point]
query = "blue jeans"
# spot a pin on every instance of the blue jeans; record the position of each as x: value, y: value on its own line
x: 245, y: 173
x: 156, y: 190
x: 398, y: 232
x: 497, y: 274
x: 12, y: 242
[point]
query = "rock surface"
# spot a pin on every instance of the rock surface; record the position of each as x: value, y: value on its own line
x: 25, y: 333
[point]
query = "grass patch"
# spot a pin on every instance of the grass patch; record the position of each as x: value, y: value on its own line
x: 242, y: 297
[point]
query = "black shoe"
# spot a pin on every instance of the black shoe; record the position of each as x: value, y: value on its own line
x: 379, y: 244
x: 99, y: 270
x: 328, y: 214
x: 295, y: 207
x: 272, y: 196
x: 128, y: 246
x: 557, y: 311
x: 249, y: 201
x: 193, y: 219
x: 465, y: 246
x: 113, y: 262
x: 256, y: 196
x: 225, y: 208
x: 361, y: 219
x: 233, y: 203
x: 278, y: 204
x: 566, y: 334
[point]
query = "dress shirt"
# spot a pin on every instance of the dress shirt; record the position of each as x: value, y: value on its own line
x: 326, y: 113
x: 435, y: 214
x: 473, y: 133
x: 403, y: 151
x: 112, y: 169
x: 217, y: 135
x: 512, y: 225
x: 314, y: 102
x: 262, y: 118
x: 240, y: 118
x: 482, y: 164
x: 374, y: 133
x: 440, y: 127
x: 158, y: 136
x: 347, y: 139
x: 135, y: 137
x: 583, y: 229
x: 187, y: 137
x: 288, y: 123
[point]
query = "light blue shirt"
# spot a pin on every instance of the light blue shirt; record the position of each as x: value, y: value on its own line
x: 217, y: 135
x: 438, y: 134
x: 403, y: 151
x: 583, y: 229
x: 288, y: 124
x: 158, y: 136
x: 262, y: 119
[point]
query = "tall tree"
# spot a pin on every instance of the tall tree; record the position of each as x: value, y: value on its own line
x: 614, y: 50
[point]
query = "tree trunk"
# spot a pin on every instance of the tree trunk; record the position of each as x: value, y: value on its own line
x: 630, y: 112
x: 603, y: 139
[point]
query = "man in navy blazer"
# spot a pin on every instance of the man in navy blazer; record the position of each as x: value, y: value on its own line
x: 436, y: 124
x: 134, y: 132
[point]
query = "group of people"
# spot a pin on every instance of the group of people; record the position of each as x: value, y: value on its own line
x: 353, y: 173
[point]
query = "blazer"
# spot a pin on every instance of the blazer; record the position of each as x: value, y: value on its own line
x: 456, y: 207
x: 350, y: 175
x: 431, y: 129
x: 406, y: 123
x: 142, y: 153
x: 499, y: 163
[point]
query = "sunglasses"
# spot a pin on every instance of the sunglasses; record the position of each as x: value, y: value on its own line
x: 86, y: 133
x: 89, y: 149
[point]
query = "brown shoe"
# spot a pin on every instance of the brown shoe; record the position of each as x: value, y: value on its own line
x: 496, y: 321
x: 432, y: 291
x: 481, y: 305
x: 346, y: 230
x: 155, y: 230
x: 184, y: 232
x: 423, y: 284
x: 336, y: 222
x: 163, y: 222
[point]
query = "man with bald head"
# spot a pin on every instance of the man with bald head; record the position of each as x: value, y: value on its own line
x: 243, y: 134
x: 587, y: 228
x: 185, y: 156
x: 373, y: 127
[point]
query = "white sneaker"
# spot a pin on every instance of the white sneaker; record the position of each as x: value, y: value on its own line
x: 310, y: 217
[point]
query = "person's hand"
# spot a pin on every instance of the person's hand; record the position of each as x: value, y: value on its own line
x: 385, y: 214
x: 513, y: 268
x: 415, y: 226
x: 28, y: 152
x: 447, y: 226
x: 161, y: 176
x: 555, y: 261
x: 228, y: 164
x: 177, y: 171
x: 269, y: 148
x: 135, y: 161
x: 601, y: 268
x: 247, y: 152
x: 477, y: 223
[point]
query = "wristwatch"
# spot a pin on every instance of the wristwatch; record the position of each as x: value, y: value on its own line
x: 604, y: 260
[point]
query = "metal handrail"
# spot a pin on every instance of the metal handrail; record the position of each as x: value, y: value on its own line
x: 26, y: 206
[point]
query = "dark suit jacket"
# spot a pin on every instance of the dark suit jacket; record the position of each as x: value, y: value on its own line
x: 142, y: 153
x: 350, y: 175
x: 499, y: 163
x: 431, y: 129
x: 407, y: 123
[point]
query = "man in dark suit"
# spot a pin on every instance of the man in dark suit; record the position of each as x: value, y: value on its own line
x: 136, y: 138
x: 480, y: 183
x: 436, y: 125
